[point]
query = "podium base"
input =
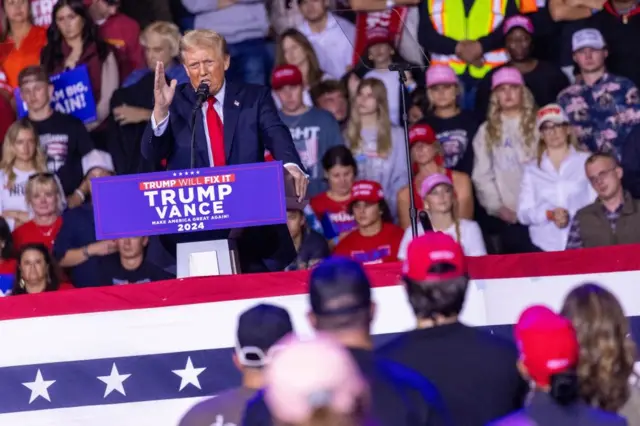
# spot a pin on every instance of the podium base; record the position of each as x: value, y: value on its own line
x: 206, y: 258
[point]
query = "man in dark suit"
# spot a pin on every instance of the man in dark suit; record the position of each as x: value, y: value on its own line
x: 234, y: 126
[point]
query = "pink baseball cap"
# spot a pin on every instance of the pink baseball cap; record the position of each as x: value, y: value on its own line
x: 308, y: 374
x: 506, y: 75
x: 440, y: 74
x: 518, y: 21
x: 432, y: 181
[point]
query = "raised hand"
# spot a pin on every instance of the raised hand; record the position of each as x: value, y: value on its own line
x: 162, y: 93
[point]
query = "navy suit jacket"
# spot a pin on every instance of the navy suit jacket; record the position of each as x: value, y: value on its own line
x: 251, y: 124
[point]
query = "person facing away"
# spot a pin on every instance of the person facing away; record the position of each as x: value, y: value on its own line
x: 342, y: 307
x: 259, y: 330
x: 474, y: 371
x: 332, y: 393
x: 549, y: 353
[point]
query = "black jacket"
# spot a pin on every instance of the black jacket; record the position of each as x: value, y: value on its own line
x: 400, y: 396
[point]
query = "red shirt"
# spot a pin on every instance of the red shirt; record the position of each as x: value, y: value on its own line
x: 379, y: 248
x: 334, y: 211
x: 123, y: 33
x: 30, y: 233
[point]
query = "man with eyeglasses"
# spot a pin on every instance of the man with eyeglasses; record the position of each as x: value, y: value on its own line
x: 614, y: 206
x: 259, y: 329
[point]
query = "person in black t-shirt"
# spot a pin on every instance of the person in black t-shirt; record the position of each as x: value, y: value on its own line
x: 64, y: 138
x: 131, y: 267
x: 474, y: 371
x: 545, y: 79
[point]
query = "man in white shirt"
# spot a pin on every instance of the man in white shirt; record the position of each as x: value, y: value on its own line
x: 332, y: 37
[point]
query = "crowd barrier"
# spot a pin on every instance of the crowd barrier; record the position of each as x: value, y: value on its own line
x: 142, y: 354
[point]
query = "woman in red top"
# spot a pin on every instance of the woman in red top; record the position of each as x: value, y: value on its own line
x: 332, y: 207
x: 426, y: 155
x: 376, y: 239
x: 20, y: 41
x: 45, y: 200
x: 36, y: 272
x: 72, y: 40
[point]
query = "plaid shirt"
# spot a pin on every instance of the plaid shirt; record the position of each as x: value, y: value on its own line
x: 574, y: 241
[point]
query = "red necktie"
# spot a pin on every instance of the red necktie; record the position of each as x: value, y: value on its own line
x: 216, y: 134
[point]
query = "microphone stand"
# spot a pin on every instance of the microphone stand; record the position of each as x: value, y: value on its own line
x: 194, y: 114
x: 400, y: 68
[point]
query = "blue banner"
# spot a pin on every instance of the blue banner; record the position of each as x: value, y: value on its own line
x: 189, y: 200
x: 72, y: 94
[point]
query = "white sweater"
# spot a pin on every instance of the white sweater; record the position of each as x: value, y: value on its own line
x: 497, y: 175
x: 470, y: 238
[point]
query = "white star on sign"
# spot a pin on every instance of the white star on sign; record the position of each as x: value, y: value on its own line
x: 175, y: 174
x: 39, y: 387
x: 197, y: 172
x: 114, y: 381
x: 189, y: 375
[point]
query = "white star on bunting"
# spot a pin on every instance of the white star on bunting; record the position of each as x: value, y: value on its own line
x: 114, y: 381
x: 189, y: 375
x: 39, y: 387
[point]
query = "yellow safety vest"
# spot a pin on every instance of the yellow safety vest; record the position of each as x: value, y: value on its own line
x: 449, y: 19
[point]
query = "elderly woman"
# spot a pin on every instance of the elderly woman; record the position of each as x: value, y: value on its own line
x: 36, y: 272
x: 45, y: 201
x: 161, y: 42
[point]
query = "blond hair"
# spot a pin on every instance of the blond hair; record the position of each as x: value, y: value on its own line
x: 168, y: 31
x: 454, y: 213
x: 528, y: 111
x: 572, y: 140
x: 354, y: 128
x: 38, y: 161
x: 49, y: 180
x: 204, y: 39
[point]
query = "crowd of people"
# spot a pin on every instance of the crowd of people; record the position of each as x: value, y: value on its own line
x: 511, y: 149
x: 566, y: 368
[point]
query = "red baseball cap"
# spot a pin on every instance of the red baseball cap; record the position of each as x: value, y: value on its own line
x: 286, y: 75
x: 366, y: 190
x: 430, y: 249
x: 377, y: 35
x: 547, y: 343
x: 422, y: 133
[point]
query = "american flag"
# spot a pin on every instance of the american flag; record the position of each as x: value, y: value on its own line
x: 143, y: 354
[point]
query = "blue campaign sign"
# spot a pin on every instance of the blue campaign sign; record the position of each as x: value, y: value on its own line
x: 189, y: 200
x: 72, y: 94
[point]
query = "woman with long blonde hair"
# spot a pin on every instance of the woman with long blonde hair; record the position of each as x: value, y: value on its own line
x: 295, y: 49
x: 554, y: 185
x: 427, y: 158
x: 438, y: 195
x: 377, y: 146
x: 505, y: 142
x: 607, y: 351
x: 21, y: 158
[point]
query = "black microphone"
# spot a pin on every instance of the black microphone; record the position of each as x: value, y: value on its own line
x: 202, y: 93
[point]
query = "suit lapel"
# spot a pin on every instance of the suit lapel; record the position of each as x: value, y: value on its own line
x: 231, y: 110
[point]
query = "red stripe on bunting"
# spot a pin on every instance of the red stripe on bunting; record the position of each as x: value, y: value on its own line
x: 225, y: 288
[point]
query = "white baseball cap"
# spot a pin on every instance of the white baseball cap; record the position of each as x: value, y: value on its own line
x: 97, y: 158
x: 589, y: 37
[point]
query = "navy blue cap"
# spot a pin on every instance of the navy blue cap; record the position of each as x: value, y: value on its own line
x: 339, y: 286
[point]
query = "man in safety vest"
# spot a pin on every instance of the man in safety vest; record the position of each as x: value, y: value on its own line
x: 466, y: 35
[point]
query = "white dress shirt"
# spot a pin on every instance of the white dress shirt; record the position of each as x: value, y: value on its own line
x: 333, y: 45
x: 545, y: 188
x: 471, y: 238
x: 161, y: 127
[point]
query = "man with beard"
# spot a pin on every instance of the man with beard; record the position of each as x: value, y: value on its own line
x: 544, y: 79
